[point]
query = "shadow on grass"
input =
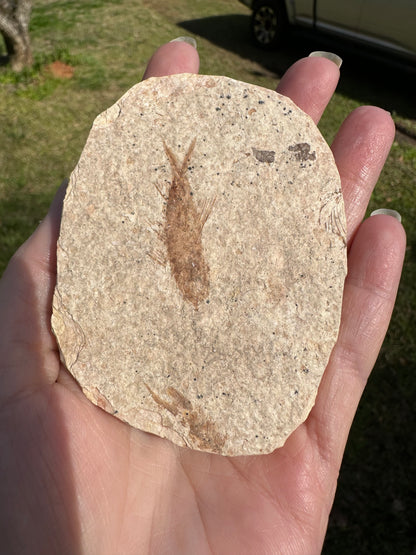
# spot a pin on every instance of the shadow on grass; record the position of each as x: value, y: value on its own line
x: 4, y: 60
x: 375, y: 506
x: 367, y: 76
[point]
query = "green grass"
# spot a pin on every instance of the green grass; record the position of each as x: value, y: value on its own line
x: 44, y: 123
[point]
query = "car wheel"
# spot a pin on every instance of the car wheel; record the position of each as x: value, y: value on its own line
x: 268, y: 22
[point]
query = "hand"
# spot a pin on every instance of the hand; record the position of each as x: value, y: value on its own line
x: 76, y: 480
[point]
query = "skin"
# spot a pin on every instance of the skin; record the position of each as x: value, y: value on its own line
x: 76, y: 480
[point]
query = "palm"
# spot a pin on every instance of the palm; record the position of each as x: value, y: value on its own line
x: 77, y: 480
x: 117, y: 486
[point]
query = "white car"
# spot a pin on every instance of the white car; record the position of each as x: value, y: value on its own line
x: 388, y: 26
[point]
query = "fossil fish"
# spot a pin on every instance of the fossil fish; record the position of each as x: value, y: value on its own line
x: 182, y: 232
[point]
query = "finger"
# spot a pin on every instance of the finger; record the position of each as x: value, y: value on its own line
x: 173, y: 57
x: 26, y: 289
x: 360, y: 149
x: 310, y: 83
x: 375, y: 263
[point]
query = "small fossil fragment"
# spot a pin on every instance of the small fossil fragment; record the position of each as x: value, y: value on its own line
x: 302, y: 152
x: 264, y: 155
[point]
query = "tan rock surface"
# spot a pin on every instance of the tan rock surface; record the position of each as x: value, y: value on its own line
x: 201, y: 263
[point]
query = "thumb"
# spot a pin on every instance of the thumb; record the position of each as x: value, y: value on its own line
x: 27, y: 347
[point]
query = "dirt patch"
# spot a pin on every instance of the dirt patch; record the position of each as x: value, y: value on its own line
x: 60, y: 70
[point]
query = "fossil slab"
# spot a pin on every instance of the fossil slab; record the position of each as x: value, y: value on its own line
x: 201, y: 263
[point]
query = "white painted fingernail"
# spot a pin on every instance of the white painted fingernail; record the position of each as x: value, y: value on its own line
x: 387, y: 212
x: 189, y: 40
x: 328, y: 55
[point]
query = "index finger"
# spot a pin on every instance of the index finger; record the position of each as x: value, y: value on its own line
x: 310, y: 83
x: 173, y: 57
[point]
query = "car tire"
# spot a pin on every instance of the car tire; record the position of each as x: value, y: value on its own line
x: 268, y: 23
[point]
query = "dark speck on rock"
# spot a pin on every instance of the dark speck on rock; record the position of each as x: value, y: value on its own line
x: 264, y: 155
x: 302, y: 152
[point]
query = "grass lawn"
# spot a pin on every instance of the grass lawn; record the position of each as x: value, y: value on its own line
x: 44, y: 122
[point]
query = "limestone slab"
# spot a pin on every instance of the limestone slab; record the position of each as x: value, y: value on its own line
x: 201, y: 263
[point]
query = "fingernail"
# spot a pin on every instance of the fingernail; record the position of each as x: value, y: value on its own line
x: 328, y: 55
x: 189, y: 40
x: 387, y: 212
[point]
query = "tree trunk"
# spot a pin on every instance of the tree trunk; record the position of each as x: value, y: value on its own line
x: 14, y: 26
